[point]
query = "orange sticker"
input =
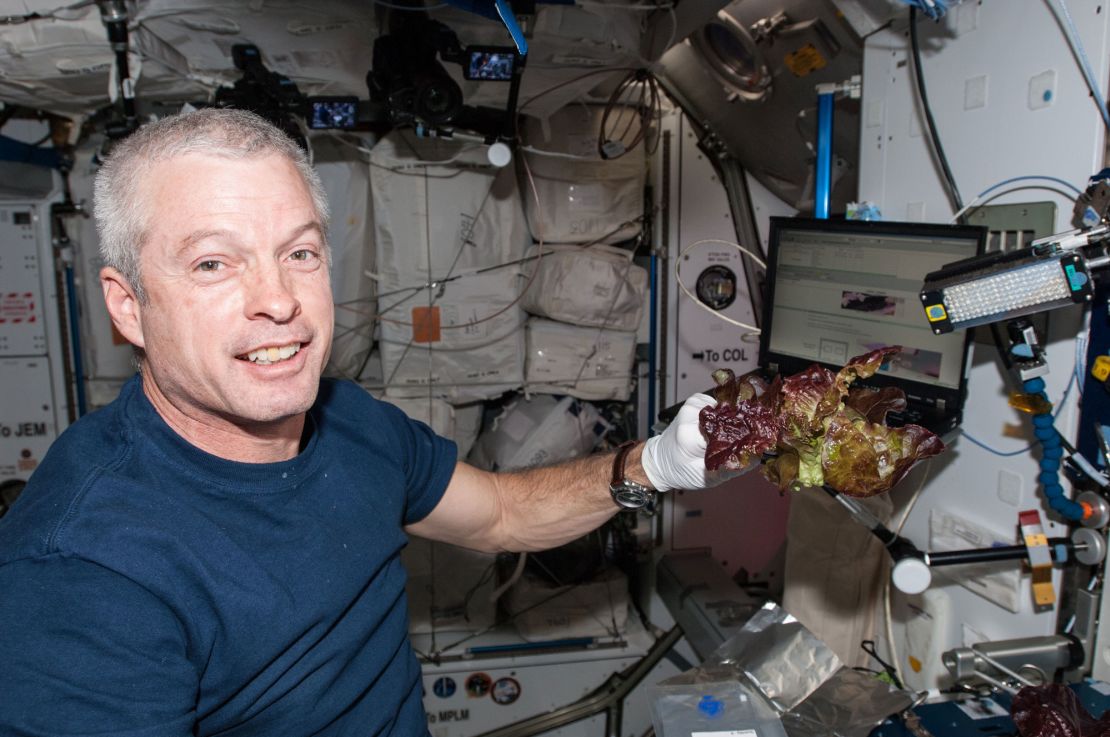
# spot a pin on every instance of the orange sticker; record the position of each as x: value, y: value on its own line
x: 425, y: 324
x: 805, y: 60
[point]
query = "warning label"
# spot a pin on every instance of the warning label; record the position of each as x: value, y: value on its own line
x: 17, y: 307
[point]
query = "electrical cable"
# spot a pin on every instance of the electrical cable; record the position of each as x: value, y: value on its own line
x: 975, y: 203
x: 938, y: 150
x: 409, y: 167
x: 1063, y: 17
x: 752, y: 329
x: 981, y: 203
x: 1009, y: 454
x: 518, y: 571
x: 542, y: 93
x: 645, y: 109
x: 13, y: 19
x: 888, y: 619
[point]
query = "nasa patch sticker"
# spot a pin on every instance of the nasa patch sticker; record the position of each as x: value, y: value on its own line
x: 444, y: 687
x: 478, y: 685
x: 505, y: 691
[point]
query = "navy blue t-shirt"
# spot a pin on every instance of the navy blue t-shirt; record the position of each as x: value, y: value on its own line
x: 148, y: 588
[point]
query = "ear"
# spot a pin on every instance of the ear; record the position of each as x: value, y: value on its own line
x: 123, y: 306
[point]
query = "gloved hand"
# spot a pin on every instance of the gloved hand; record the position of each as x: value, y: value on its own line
x: 676, y: 458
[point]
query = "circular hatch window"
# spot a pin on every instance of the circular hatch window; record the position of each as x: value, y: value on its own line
x: 730, y: 53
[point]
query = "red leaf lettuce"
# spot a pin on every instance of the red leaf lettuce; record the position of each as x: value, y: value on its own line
x: 813, y: 429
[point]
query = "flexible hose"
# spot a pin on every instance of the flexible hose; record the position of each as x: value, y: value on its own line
x: 1052, y: 451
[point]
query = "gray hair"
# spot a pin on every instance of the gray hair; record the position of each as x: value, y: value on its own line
x: 121, y: 217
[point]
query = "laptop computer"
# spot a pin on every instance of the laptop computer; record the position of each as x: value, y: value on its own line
x: 837, y: 289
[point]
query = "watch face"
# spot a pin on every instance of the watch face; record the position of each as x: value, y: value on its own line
x: 631, y: 495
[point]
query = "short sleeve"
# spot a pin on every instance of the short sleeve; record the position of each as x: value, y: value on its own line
x: 429, y: 461
x: 84, y: 650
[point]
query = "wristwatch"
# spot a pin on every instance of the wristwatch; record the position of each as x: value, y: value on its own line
x: 625, y: 492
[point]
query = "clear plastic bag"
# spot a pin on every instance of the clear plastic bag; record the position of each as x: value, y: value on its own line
x: 712, y: 709
x: 772, y: 678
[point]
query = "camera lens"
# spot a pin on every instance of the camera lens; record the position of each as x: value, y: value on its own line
x: 438, y: 101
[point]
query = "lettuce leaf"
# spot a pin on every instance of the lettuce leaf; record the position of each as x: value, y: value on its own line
x: 861, y: 458
x: 743, y: 424
x: 808, y: 397
x: 875, y: 404
x: 814, y: 429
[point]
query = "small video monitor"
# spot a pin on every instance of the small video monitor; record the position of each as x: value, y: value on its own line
x: 489, y: 63
x: 332, y: 112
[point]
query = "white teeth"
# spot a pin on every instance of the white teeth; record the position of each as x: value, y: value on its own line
x: 265, y: 356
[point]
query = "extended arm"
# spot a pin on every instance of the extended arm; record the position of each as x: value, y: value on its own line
x: 541, y: 508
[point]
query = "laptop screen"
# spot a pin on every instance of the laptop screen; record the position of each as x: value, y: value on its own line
x: 838, y: 289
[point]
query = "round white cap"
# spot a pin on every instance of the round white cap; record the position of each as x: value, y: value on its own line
x: 499, y: 154
x: 911, y: 575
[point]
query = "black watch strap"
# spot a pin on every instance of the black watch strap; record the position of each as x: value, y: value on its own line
x: 626, y: 493
x: 619, y: 460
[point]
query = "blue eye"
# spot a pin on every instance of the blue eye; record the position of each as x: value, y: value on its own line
x: 210, y: 265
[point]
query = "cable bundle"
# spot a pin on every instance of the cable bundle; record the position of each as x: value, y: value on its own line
x: 639, y: 101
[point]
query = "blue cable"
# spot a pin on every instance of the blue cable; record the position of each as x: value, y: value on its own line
x: 995, y: 451
x: 1051, y: 452
x: 1026, y: 177
x: 1009, y: 454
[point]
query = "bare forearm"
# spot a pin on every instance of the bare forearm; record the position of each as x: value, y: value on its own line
x: 548, y: 506
x: 542, y: 508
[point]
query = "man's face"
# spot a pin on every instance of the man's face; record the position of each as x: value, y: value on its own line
x: 238, y: 322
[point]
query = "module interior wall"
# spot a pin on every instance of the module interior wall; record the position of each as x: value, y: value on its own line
x: 979, y: 66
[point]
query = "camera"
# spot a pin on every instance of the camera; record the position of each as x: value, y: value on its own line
x: 332, y: 112
x: 489, y: 63
x: 273, y: 96
x: 408, y: 79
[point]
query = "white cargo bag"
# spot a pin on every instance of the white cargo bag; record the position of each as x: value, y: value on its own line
x: 478, y: 353
x: 347, y: 184
x: 440, y: 210
x: 586, y: 199
x: 539, y: 431
x: 588, y: 363
x: 593, y: 287
x: 441, y: 214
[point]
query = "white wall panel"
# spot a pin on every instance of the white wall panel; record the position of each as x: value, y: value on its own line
x: 978, y: 66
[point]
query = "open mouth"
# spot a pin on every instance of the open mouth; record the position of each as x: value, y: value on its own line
x: 271, y: 355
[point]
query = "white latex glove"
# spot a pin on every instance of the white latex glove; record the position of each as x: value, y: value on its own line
x: 676, y: 458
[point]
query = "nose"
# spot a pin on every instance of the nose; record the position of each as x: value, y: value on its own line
x: 270, y: 294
